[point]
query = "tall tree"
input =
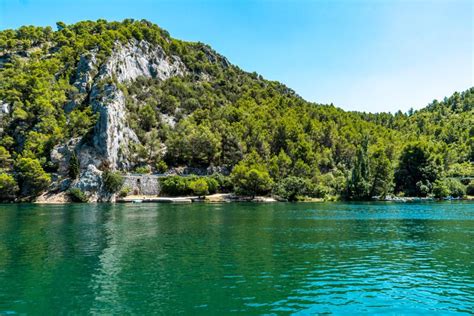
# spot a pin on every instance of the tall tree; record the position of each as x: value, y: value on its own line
x: 358, y: 186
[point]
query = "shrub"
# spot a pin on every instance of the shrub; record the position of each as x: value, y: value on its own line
x: 448, y: 187
x: 174, y: 185
x: 440, y: 189
x: 291, y: 188
x: 124, y: 191
x: 200, y: 186
x: 8, y: 187
x: 161, y: 166
x: 470, y: 188
x: 456, y: 188
x: 143, y: 169
x: 251, y: 180
x: 224, y: 182
x: 5, y: 158
x: 113, y: 181
x: 31, y: 176
x: 77, y: 195
x: 212, y: 184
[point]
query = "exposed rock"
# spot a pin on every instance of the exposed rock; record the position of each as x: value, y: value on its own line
x: 61, y: 154
x: 97, y: 84
x: 85, y: 73
x: 112, y: 135
x: 168, y: 119
x: 90, y: 182
x: 142, y: 59
x: 4, y: 108
x: 53, y: 198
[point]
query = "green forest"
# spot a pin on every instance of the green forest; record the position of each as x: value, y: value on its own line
x: 269, y: 140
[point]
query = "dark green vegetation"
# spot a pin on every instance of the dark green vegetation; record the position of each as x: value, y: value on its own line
x: 263, y: 132
x: 244, y: 258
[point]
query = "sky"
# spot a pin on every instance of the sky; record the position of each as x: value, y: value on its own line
x: 365, y: 55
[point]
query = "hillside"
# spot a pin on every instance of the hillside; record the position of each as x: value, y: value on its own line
x: 89, y: 101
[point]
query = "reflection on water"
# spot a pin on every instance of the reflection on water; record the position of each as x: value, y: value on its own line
x: 247, y: 258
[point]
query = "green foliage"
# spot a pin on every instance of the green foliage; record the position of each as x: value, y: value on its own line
x: 212, y: 184
x: 417, y: 170
x: 74, y: 166
x: 32, y: 179
x: 5, y: 158
x: 199, y: 187
x: 456, y: 188
x: 381, y: 174
x: 124, y: 191
x: 358, y: 185
x: 8, y: 187
x: 143, y: 169
x: 470, y: 188
x: 218, y: 115
x: 251, y: 179
x: 81, y: 121
x: 161, y: 166
x: 77, y: 195
x: 113, y: 181
x: 174, y: 186
x: 440, y: 189
x: 224, y: 183
x: 448, y: 187
x: 292, y: 188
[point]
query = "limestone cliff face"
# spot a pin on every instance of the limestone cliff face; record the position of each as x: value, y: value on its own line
x: 112, y: 135
x: 97, y: 84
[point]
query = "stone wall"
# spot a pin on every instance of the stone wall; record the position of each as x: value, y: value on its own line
x: 143, y: 184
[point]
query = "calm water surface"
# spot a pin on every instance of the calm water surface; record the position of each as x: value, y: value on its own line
x: 242, y: 258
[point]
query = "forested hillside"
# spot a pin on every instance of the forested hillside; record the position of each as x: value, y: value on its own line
x: 107, y: 98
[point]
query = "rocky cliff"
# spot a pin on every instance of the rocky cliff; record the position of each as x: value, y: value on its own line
x: 98, y: 85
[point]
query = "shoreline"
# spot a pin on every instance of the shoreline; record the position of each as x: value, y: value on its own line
x: 224, y: 198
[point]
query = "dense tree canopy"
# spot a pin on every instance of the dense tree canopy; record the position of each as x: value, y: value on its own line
x: 218, y: 115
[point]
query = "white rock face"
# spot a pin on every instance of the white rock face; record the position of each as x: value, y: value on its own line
x: 136, y: 59
x: 112, y: 134
x: 4, y: 108
x: 85, y: 73
x: 61, y: 154
x: 90, y: 181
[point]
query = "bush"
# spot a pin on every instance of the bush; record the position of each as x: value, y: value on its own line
x: 143, y: 169
x: 200, y: 186
x: 174, y: 185
x: 8, y: 187
x: 456, y: 188
x: 224, y: 183
x: 251, y: 180
x: 113, y: 181
x: 291, y: 188
x: 440, y: 189
x: 77, y: 195
x: 212, y: 184
x: 124, y: 191
x: 470, y: 188
x: 161, y: 166
x: 448, y: 187
x: 31, y: 176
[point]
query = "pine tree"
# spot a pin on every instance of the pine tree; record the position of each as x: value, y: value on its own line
x: 358, y: 187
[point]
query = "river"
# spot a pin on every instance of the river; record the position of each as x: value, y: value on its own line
x: 243, y: 258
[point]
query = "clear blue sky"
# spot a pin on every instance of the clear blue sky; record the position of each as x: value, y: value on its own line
x: 372, y: 55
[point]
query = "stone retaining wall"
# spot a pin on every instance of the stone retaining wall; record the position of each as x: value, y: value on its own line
x: 143, y: 184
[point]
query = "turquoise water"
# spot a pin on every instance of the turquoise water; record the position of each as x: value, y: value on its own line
x: 378, y: 258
